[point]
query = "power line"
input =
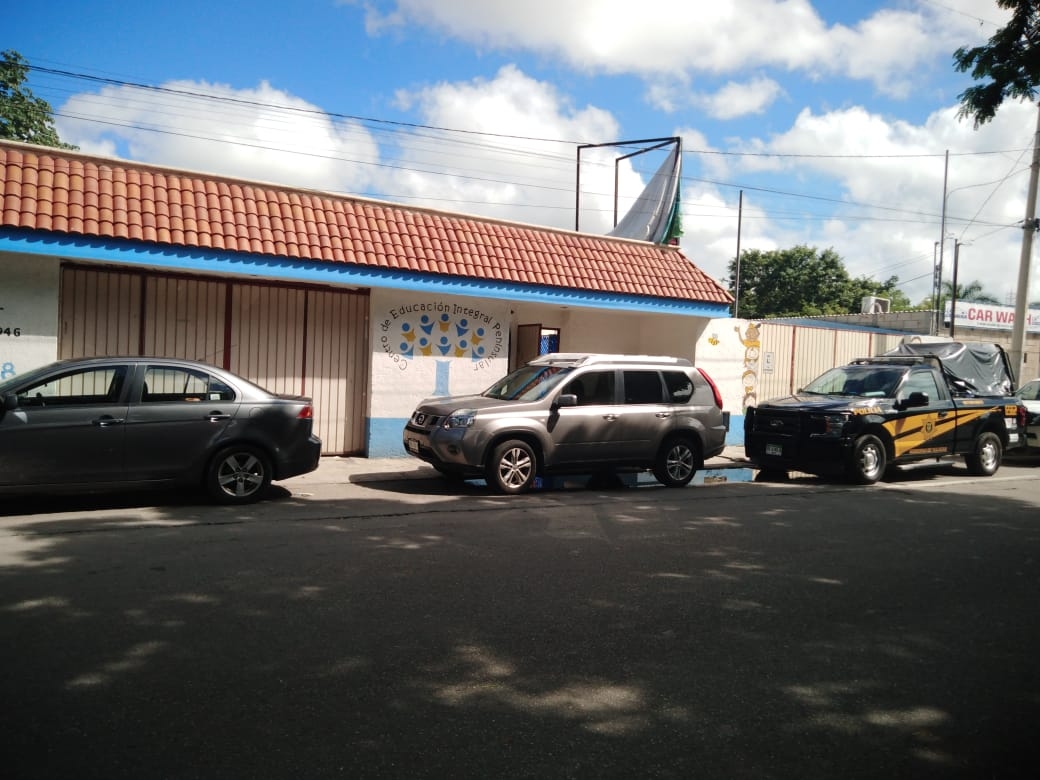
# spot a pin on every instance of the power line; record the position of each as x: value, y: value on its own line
x: 480, y: 133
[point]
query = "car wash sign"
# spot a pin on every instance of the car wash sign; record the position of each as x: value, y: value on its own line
x: 970, y: 314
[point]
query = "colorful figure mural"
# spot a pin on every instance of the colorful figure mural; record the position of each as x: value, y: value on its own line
x: 751, y: 339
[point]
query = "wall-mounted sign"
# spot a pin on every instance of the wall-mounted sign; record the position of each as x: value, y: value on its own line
x: 424, y: 346
x: 985, y: 315
x: 441, y: 330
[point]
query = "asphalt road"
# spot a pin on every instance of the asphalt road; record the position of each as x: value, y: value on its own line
x: 409, y: 629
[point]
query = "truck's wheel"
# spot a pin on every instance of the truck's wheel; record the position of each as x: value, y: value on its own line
x: 867, y: 463
x: 512, y: 467
x: 986, y: 455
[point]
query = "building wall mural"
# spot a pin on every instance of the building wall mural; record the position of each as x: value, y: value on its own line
x: 425, y: 346
x: 730, y: 350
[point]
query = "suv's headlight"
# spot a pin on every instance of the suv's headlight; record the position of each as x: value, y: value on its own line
x: 460, y: 418
x: 829, y: 424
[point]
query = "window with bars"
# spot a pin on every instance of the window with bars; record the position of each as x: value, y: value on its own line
x: 549, y: 341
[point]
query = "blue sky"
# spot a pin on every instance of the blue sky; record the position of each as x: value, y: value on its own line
x: 832, y: 117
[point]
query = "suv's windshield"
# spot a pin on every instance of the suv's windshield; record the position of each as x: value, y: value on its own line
x: 528, y: 383
x: 867, y: 381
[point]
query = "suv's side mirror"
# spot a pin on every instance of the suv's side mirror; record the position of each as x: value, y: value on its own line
x: 914, y: 399
x: 567, y: 399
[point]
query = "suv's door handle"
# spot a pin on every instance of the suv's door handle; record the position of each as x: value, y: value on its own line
x: 610, y: 417
x: 663, y: 414
x: 106, y: 420
x: 218, y: 416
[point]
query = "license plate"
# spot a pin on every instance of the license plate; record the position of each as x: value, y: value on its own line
x: 413, y: 445
x: 774, y: 449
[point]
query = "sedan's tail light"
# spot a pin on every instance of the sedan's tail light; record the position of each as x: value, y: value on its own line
x: 714, y: 387
x: 306, y: 413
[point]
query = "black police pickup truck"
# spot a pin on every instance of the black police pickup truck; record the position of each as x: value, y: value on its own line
x: 920, y: 402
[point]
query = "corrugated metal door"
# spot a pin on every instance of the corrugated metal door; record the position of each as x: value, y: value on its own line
x: 777, y: 349
x: 289, y: 340
x: 185, y: 318
x: 100, y: 313
x: 310, y: 343
x: 267, y: 336
x: 338, y: 368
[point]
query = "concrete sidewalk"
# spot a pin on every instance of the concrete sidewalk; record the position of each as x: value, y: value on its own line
x: 334, y: 469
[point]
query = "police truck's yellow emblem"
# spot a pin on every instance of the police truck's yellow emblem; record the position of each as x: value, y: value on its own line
x: 928, y: 426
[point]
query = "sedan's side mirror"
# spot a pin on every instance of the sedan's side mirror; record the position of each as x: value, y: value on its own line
x: 10, y: 402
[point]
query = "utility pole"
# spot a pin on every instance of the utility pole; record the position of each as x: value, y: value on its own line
x: 736, y: 282
x: 942, y: 243
x: 1018, y: 330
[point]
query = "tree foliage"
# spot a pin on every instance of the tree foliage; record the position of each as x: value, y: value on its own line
x: 803, y: 281
x: 1008, y: 65
x: 972, y: 291
x: 23, y: 116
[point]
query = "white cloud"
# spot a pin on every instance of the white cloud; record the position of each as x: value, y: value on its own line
x: 735, y: 100
x: 664, y: 38
x: 526, y: 180
x: 250, y: 133
x: 890, y: 175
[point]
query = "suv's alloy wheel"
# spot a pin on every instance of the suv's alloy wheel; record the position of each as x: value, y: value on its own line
x: 677, y: 462
x: 512, y: 467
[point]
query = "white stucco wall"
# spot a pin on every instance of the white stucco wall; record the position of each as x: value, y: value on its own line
x: 427, y: 345
x: 28, y: 312
x: 588, y: 330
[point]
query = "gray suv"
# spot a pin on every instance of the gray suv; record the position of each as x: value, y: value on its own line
x: 575, y: 414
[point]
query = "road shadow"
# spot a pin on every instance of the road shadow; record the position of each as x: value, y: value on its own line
x: 759, y: 632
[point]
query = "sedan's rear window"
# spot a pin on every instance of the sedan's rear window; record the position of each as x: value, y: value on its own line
x: 167, y: 384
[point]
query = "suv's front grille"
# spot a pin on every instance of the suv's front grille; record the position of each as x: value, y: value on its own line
x: 767, y: 421
x: 425, y: 420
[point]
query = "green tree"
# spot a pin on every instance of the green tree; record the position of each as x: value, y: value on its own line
x: 1008, y: 65
x: 972, y: 291
x: 23, y: 116
x: 802, y: 281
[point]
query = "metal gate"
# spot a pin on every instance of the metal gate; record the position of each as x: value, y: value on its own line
x: 288, y: 339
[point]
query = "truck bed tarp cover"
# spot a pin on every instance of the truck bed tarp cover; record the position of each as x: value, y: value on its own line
x: 983, y: 366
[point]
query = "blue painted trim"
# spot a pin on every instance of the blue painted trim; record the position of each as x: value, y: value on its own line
x: 735, y: 434
x: 246, y: 265
x: 385, y: 439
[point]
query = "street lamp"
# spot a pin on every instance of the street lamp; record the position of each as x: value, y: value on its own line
x: 953, y: 286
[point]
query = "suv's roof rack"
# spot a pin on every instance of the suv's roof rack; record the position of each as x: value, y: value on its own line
x: 586, y: 358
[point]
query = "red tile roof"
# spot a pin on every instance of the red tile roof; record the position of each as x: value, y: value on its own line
x: 68, y: 192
